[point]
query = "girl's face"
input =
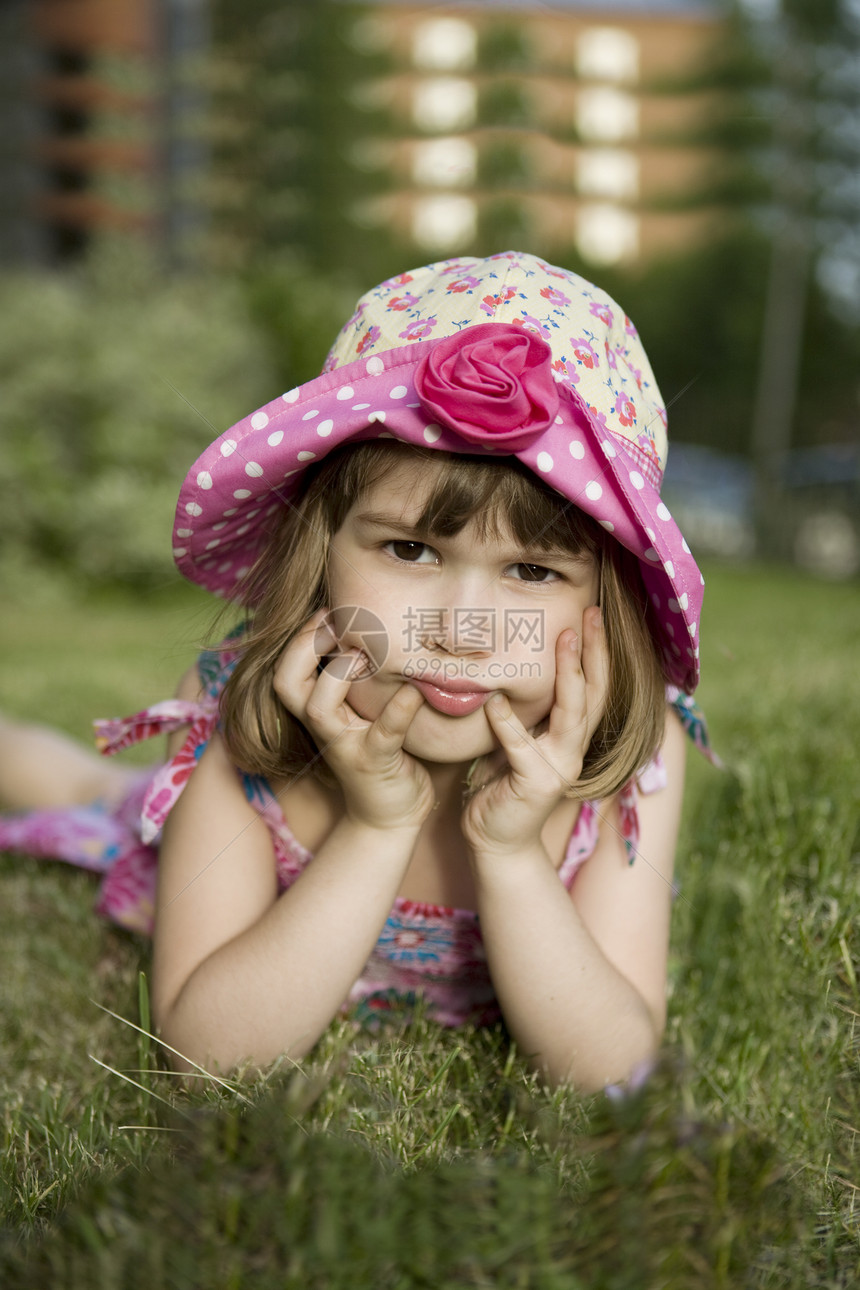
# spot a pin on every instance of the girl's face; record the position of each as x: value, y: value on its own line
x: 458, y: 617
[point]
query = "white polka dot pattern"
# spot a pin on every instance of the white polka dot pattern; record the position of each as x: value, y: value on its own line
x: 588, y: 453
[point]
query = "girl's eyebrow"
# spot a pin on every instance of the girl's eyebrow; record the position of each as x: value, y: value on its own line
x: 382, y: 520
x: 534, y: 554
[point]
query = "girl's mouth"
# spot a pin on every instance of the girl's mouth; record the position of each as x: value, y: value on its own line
x: 452, y: 702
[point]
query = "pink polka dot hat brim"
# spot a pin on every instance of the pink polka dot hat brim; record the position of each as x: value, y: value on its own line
x: 234, y: 492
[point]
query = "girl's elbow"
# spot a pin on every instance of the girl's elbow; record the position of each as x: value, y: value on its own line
x: 190, y: 1037
x: 634, y: 1058
x: 618, y: 1061
x: 200, y: 1060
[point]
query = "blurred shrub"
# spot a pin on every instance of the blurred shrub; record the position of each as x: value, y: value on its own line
x: 113, y: 378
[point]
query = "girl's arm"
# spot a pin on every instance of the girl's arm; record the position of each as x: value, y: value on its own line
x: 581, y: 978
x: 241, y: 973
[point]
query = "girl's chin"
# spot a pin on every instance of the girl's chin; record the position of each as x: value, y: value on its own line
x: 435, y: 737
x: 447, y: 752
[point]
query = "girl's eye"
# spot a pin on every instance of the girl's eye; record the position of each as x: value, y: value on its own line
x: 412, y: 552
x: 532, y: 573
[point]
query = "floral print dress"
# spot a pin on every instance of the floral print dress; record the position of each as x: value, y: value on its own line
x: 424, y: 949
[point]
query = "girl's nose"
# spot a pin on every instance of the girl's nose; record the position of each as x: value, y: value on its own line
x: 464, y: 624
x: 468, y: 631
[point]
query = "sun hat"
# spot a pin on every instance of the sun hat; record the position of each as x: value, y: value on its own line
x: 508, y: 356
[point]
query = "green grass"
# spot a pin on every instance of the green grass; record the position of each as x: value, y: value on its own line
x: 420, y: 1157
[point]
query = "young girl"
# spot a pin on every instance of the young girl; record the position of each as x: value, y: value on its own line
x: 439, y: 757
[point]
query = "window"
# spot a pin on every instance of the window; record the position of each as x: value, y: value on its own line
x: 606, y: 115
x: 444, y: 223
x: 444, y: 103
x: 606, y: 234
x: 607, y: 172
x: 607, y: 54
x: 444, y: 45
x: 444, y: 163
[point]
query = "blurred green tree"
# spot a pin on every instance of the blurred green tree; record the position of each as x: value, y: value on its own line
x: 811, y: 160
x: 302, y: 153
x: 300, y: 123
x: 763, y: 316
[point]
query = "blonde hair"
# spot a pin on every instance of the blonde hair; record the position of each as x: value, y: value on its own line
x: 289, y: 584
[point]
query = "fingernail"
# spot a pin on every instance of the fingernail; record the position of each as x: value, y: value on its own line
x: 573, y: 642
x: 364, y: 664
x: 360, y: 666
x: 500, y: 703
x: 349, y: 667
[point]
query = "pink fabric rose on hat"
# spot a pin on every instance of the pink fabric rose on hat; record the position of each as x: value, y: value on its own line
x: 492, y: 384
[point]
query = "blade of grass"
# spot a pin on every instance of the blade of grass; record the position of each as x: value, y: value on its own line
x: 201, y: 1070
x: 136, y: 1084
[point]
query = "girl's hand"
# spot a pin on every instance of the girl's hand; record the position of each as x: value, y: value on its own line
x: 508, y: 812
x: 383, y: 786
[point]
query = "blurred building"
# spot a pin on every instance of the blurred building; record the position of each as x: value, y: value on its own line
x: 569, y: 119
x: 560, y: 123
x: 91, y: 111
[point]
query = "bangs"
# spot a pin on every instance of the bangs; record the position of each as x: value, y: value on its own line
x: 499, y: 495
x: 501, y: 498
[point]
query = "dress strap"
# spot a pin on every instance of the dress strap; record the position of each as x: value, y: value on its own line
x: 627, y: 806
x: 114, y: 734
x: 653, y: 776
x: 692, y: 718
x: 169, y: 780
x: 214, y: 668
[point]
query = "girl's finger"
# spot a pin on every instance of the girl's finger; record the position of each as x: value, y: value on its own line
x: 568, y: 714
x: 326, y: 709
x: 519, y: 746
x: 388, y: 731
x: 582, y: 672
x: 595, y: 652
x: 297, y: 668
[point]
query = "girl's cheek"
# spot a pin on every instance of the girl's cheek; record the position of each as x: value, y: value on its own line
x: 538, y: 671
